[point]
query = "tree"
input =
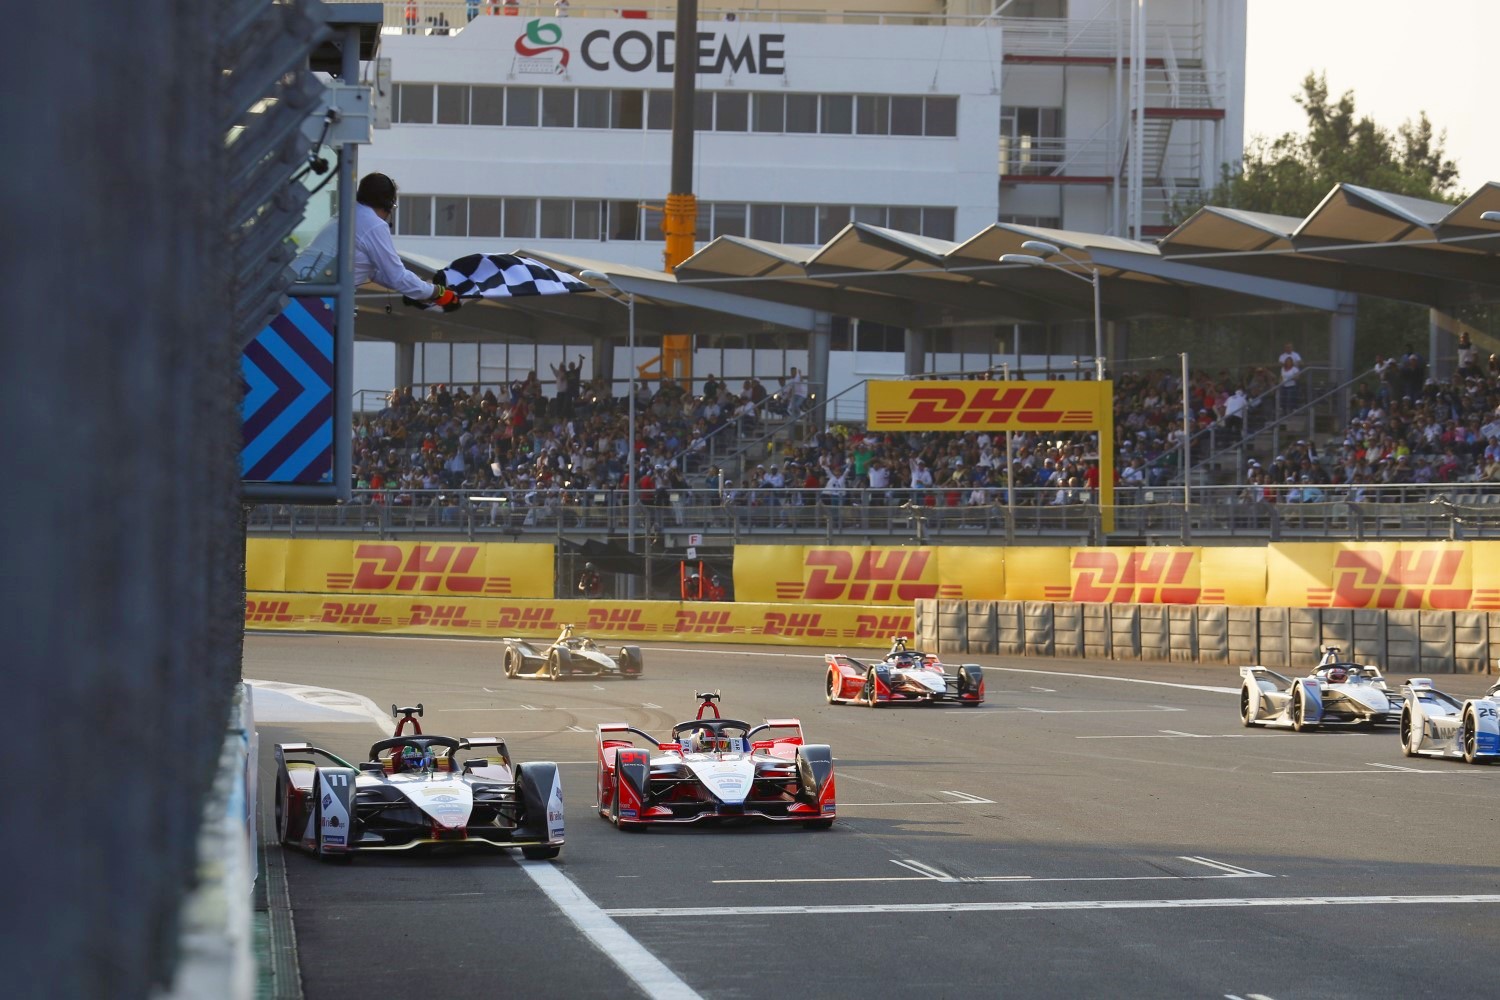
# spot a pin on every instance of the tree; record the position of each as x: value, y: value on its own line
x: 1292, y: 173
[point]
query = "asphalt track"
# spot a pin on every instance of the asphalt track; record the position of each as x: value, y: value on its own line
x: 1079, y: 835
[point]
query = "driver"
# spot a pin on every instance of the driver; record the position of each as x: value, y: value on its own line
x: 702, y: 741
x: 1337, y: 674
x: 413, y: 760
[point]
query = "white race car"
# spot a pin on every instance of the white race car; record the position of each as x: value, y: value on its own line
x: 1337, y: 692
x: 904, y: 677
x: 1434, y: 724
x: 570, y: 656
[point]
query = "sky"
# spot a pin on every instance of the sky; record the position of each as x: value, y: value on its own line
x: 1399, y: 58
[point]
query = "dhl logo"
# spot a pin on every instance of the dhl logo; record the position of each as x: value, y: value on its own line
x: 338, y: 613
x: 450, y: 615
x: 535, y: 619
x: 618, y: 620
x: 833, y: 576
x: 424, y: 569
x: 988, y: 406
x: 268, y: 611
x: 1133, y: 578
x: 796, y: 625
x: 881, y: 626
x: 704, y: 623
x: 1412, y: 579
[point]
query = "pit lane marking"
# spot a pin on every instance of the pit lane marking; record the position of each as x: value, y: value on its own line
x: 1050, y: 905
x: 1386, y: 769
x: 644, y: 969
x: 929, y: 873
x: 1176, y: 734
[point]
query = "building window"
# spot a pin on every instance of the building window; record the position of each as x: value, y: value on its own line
x: 837, y: 114
x: 799, y: 224
x: 452, y: 216
x: 879, y: 337
x: 557, y: 219
x: 729, y: 219
x: 593, y: 109
x: 487, y: 105
x: 768, y: 113
x: 557, y: 107
x: 831, y: 221
x: 414, y: 215
x: 731, y: 111
x: 484, y: 217
x: 521, y: 106
x: 801, y: 113
x: 703, y: 111
x: 659, y: 110
x: 627, y: 109
x: 906, y: 115
x: 941, y: 116
x: 520, y: 218
x: 1031, y: 140
x: 872, y: 115
x: 588, y: 220
x: 414, y: 103
x: 452, y: 105
x: 624, y: 220
x: 938, y: 223
x: 1036, y: 221
x: 765, y: 223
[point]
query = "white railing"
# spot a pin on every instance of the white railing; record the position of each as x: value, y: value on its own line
x: 1058, y: 157
x: 1043, y: 36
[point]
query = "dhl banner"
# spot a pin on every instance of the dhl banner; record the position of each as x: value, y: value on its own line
x: 1425, y: 576
x: 635, y: 621
x: 1002, y: 406
x: 867, y: 574
x: 455, y: 569
x: 894, y: 576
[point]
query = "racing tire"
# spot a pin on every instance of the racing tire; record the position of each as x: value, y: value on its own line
x: 1471, y: 739
x: 510, y: 663
x: 831, y: 686
x: 1297, y: 710
x: 540, y: 852
x: 870, y: 696
x: 1247, y: 714
x: 554, y: 666
x: 281, y: 816
x: 1408, y: 737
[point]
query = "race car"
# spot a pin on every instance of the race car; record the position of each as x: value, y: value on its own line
x: 905, y: 676
x: 415, y: 791
x: 714, y: 768
x: 1337, y: 692
x: 569, y: 656
x: 1434, y: 724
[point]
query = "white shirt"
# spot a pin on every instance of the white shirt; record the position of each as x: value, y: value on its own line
x: 375, y: 257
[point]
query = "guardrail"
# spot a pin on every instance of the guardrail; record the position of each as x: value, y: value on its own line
x: 980, y: 516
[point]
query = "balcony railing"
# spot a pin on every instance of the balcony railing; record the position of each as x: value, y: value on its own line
x: 904, y: 516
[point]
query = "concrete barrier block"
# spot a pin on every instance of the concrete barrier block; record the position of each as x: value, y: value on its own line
x: 1156, y: 641
x: 1471, y: 642
x: 924, y: 623
x: 1182, y: 633
x: 1369, y: 643
x: 953, y: 628
x: 1213, y: 633
x: 1067, y: 630
x: 1305, y: 632
x: 1242, y: 629
x: 1402, y: 642
x: 1435, y: 641
x: 1039, y: 636
x: 1010, y: 633
x: 1336, y: 628
x: 1124, y: 631
x: 1274, y: 638
x: 1096, y: 631
x: 981, y: 627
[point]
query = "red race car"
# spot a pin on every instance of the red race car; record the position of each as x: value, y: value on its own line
x: 904, y: 677
x: 714, y: 768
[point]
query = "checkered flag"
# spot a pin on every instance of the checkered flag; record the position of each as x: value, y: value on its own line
x: 505, y: 276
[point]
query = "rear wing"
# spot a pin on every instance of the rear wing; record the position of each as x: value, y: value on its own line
x: 843, y: 659
x: 1419, y: 683
x: 625, y: 730
x: 1258, y: 671
x: 307, y: 750
x: 793, y: 724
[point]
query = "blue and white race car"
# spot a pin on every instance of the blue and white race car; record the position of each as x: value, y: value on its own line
x: 1337, y: 692
x: 1434, y: 724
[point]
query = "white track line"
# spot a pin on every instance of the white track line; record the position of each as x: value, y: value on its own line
x: 1214, y: 689
x: 1079, y: 904
x: 644, y: 969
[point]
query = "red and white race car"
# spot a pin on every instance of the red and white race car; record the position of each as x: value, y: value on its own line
x: 905, y: 676
x: 714, y: 768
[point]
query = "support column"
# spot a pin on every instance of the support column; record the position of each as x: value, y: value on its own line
x: 916, y: 352
x: 1341, y: 333
x: 819, y: 339
x: 604, y: 360
x: 406, y: 364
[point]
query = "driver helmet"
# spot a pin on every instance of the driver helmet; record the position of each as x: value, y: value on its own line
x: 701, y: 741
x: 1337, y: 675
x: 412, y: 758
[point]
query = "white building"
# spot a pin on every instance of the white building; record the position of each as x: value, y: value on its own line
x: 940, y: 119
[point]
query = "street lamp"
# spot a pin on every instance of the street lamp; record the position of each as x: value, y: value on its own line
x: 1040, y: 252
x: 630, y: 470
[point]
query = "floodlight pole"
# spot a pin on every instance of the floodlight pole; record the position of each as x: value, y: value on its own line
x: 1040, y: 252
x: 1187, y: 425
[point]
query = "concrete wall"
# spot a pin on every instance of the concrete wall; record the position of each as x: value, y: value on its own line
x: 124, y: 552
x: 1421, y: 642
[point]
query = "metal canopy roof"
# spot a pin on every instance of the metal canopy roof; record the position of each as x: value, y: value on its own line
x: 1219, y: 262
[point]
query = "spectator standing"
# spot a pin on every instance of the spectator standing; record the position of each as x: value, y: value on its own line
x: 1287, y: 391
x: 794, y: 387
x: 560, y: 9
x: 590, y: 583
x: 1288, y: 351
x: 512, y: 7
x: 1468, y: 357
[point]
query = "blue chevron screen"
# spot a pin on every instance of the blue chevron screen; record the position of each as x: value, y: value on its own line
x: 287, y: 411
